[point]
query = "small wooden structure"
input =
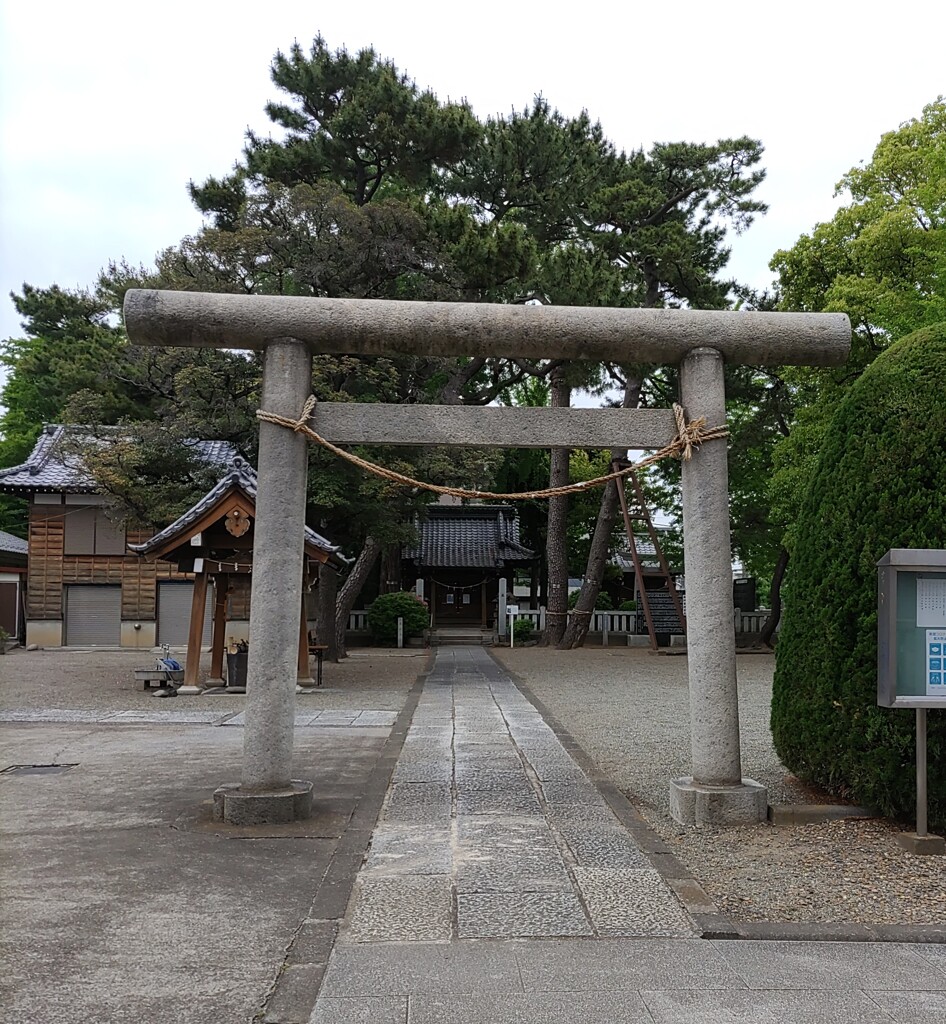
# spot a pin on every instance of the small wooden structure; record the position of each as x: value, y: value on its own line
x: 461, y: 553
x: 214, y: 541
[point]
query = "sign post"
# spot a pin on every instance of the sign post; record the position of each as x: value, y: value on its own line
x: 911, y: 658
x: 512, y: 610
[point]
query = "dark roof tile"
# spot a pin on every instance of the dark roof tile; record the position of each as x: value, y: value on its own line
x: 475, y: 536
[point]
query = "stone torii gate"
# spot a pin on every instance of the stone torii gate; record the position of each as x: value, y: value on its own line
x: 290, y: 330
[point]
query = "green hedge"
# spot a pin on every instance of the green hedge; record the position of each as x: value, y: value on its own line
x: 880, y: 484
x: 385, y: 610
x: 603, y: 602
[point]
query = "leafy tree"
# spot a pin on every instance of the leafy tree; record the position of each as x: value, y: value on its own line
x: 880, y: 483
x: 662, y: 221
x: 882, y: 261
x: 385, y: 610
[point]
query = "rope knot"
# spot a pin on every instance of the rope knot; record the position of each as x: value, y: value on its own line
x: 692, y: 434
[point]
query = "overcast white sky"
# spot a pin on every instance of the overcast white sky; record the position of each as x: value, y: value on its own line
x: 107, y: 109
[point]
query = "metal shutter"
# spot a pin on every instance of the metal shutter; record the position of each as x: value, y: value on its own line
x: 174, y: 613
x: 93, y: 616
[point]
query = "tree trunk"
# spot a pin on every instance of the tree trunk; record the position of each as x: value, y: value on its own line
x: 775, y: 600
x: 580, y: 620
x: 556, y: 544
x: 391, y: 569
x: 351, y: 589
x: 326, y: 611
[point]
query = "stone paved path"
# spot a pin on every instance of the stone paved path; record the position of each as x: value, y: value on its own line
x: 491, y: 830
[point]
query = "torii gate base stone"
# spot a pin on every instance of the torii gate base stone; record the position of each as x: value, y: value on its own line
x: 289, y: 330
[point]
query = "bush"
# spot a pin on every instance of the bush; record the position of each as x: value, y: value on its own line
x: 602, y: 604
x: 385, y: 610
x: 627, y: 606
x: 522, y: 630
x: 880, y: 483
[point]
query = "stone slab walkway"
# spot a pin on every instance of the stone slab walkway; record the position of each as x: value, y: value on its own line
x: 491, y: 830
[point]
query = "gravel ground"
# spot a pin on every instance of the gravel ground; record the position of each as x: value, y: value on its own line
x: 629, y: 711
x: 373, y: 679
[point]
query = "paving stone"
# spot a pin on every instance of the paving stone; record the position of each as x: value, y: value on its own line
x: 520, y: 915
x: 54, y: 715
x: 910, y: 1007
x: 519, y: 800
x: 842, y: 965
x: 623, y: 964
x: 410, y: 850
x: 364, y: 1010
x: 541, y: 873
x: 632, y: 901
x: 603, y: 847
x: 416, y: 802
x: 430, y: 770
x: 168, y: 717
x: 579, y: 791
x: 533, y: 1008
x: 376, y: 718
x: 293, y: 996
x: 400, y: 909
x: 518, y: 835
x: 689, y: 1007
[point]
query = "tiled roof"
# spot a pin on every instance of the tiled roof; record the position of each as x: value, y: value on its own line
x: 11, y: 544
x: 645, y: 551
x: 475, y: 536
x: 50, y: 469
x: 242, y: 475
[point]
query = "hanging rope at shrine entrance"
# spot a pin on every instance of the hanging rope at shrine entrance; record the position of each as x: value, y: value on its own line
x: 689, y: 436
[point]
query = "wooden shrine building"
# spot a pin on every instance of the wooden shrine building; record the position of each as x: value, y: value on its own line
x: 461, y: 553
x: 214, y: 541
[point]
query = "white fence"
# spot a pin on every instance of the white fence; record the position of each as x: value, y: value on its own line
x: 622, y: 623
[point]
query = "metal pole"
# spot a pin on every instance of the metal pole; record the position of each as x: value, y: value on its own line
x: 921, y: 802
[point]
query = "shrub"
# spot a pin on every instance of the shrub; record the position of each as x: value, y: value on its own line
x: 522, y: 630
x: 603, y: 603
x: 627, y: 606
x: 880, y: 483
x: 385, y: 610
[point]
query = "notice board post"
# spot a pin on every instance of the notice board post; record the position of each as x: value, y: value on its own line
x: 911, y: 657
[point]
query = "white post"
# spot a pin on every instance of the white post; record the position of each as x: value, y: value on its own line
x: 419, y: 588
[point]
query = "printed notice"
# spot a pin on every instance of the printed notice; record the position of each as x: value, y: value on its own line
x: 930, y: 602
x: 935, y: 665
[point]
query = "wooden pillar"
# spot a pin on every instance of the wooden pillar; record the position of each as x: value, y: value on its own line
x: 483, y: 608
x: 194, y: 635
x: 303, y: 675
x: 218, y: 641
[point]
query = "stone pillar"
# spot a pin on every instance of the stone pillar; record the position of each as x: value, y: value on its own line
x: 716, y: 793
x: 501, y: 616
x: 267, y: 794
